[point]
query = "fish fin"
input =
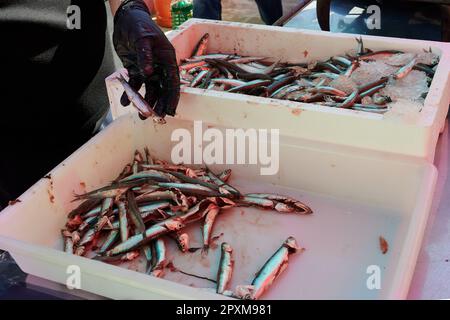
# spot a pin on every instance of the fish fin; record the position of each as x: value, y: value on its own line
x: 205, y: 250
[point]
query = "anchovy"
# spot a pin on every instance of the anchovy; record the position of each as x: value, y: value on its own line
x: 159, y: 248
x: 89, y: 222
x: 328, y: 66
x: 153, y: 232
x: 342, y: 61
x: 93, y: 212
x: 226, y: 266
x: 371, y: 91
x: 280, y: 83
x: 284, y: 91
x: 277, y: 202
x: 405, y: 70
x: 201, y: 75
x: 191, y: 65
x: 141, y: 105
x: 247, y: 59
x: 135, y: 213
x: 112, y: 191
x: 347, y: 103
x: 372, y: 84
x: 378, y: 54
x: 68, y: 241
x: 274, y: 267
x: 360, y: 50
x: 222, y: 184
x: 210, y: 56
x: 229, y: 82
x: 225, y: 175
x: 112, y: 237
x: 148, y: 254
x: 106, y: 206
x: 155, y: 175
x: 207, y: 229
x: 328, y: 90
x: 328, y: 75
x: 123, y: 221
x: 192, y: 189
x: 202, y: 45
x: 88, y: 236
x: 250, y: 85
x: 355, y: 64
x: 182, y: 240
x: 85, y: 206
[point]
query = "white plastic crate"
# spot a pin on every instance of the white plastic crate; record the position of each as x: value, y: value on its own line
x: 309, y: 121
x: 357, y: 195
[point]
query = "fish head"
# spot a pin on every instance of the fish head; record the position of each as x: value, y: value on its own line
x: 226, y: 247
x: 244, y: 292
x: 175, y: 224
x: 183, y: 241
x: 291, y: 244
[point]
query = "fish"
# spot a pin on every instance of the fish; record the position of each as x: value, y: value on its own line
x: 154, y: 175
x: 276, y: 264
x: 225, y: 175
x: 68, y: 241
x: 350, y: 100
x: 112, y: 237
x: 405, y: 70
x: 159, y: 249
x: 135, y: 213
x: 182, y: 240
x: 207, y: 228
x: 298, y: 205
x: 222, y: 184
x: 139, y: 102
x: 378, y: 54
x: 202, y: 45
x: 153, y: 232
x: 226, y: 266
x: 251, y: 85
x: 123, y: 221
x: 85, y: 206
x: 201, y: 75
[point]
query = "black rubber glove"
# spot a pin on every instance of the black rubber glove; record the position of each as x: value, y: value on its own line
x: 148, y: 56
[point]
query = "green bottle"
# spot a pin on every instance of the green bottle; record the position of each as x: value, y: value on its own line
x: 181, y: 11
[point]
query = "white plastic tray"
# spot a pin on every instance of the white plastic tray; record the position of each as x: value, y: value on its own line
x: 357, y: 196
x: 318, y: 123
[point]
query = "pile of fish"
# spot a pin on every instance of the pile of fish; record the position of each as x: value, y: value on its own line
x: 363, y: 79
x: 152, y: 200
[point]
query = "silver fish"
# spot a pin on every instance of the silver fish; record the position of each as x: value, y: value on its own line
x: 141, y: 105
x: 123, y: 221
x: 274, y: 267
x: 207, y: 228
x: 155, y: 231
x: 226, y: 266
x: 112, y: 237
x: 159, y: 248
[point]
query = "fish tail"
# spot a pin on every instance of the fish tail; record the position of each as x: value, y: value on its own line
x: 205, y: 250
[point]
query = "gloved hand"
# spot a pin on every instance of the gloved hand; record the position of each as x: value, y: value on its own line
x: 148, y: 56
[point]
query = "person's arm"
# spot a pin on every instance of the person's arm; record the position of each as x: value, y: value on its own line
x: 148, y: 56
x: 114, y: 5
